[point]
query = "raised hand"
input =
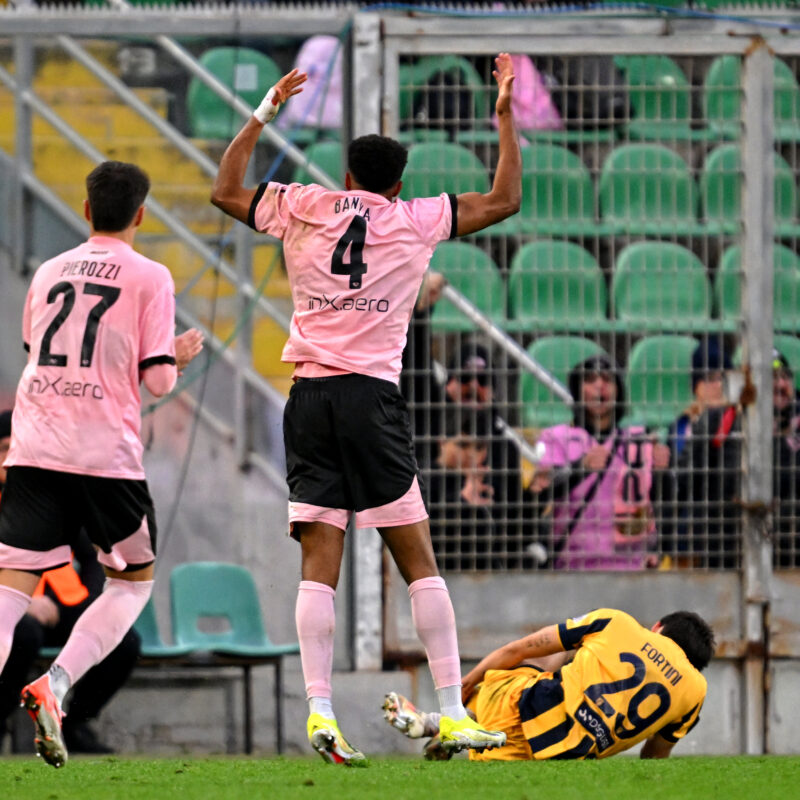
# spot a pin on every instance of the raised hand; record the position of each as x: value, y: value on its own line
x: 504, y: 75
x: 187, y: 346
x: 289, y: 85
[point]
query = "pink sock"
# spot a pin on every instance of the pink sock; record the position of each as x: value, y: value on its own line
x: 13, y: 605
x: 101, y: 627
x: 435, y: 622
x: 316, y: 623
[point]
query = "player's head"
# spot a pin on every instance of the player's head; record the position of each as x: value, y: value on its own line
x: 692, y: 634
x: 116, y: 192
x: 376, y: 163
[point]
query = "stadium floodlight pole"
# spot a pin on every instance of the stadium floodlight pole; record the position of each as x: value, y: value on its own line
x: 508, y: 344
x: 187, y: 60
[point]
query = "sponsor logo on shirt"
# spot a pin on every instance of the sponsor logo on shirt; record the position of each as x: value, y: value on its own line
x: 595, y: 725
x: 66, y: 389
x: 348, y: 304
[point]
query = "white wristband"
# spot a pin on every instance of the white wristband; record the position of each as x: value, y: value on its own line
x: 267, y: 108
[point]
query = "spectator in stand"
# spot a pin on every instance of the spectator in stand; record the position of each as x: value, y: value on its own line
x: 786, y: 455
x: 459, y: 496
x: 710, y: 362
x: 600, y: 478
x: 710, y: 479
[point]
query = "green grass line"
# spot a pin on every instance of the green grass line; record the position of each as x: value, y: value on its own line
x: 621, y: 778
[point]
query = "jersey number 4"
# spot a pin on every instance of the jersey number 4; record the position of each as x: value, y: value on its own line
x: 108, y: 296
x: 353, y: 238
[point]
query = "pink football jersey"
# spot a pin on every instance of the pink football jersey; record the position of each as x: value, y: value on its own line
x: 94, y: 318
x: 355, y: 262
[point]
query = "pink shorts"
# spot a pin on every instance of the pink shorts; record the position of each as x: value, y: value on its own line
x: 406, y: 510
x: 135, y: 551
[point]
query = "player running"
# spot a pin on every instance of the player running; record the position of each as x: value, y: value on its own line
x: 97, y: 319
x: 626, y: 684
x: 356, y: 260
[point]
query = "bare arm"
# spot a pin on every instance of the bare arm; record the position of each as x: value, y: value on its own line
x: 477, y: 211
x: 228, y: 192
x: 543, y: 642
x: 656, y: 747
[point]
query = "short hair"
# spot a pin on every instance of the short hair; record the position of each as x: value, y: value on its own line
x: 115, y: 190
x: 472, y: 423
x: 692, y: 634
x: 376, y: 162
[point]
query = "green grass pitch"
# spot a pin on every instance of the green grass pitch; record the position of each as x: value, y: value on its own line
x: 112, y: 778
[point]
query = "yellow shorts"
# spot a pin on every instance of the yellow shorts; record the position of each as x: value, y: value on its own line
x: 497, y: 708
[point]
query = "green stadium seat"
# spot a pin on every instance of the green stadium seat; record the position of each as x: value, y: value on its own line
x: 556, y: 286
x: 660, y: 286
x: 658, y: 379
x: 152, y: 644
x: 414, y: 78
x: 660, y: 96
x: 721, y: 193
x: 786, y: 287
x: 722, y: 99
x: 557, y: 196
x: 473, y: 273
x: 647, y: 189
x: 558, y: 355
x: 436, y: 167
x: 209, y: 590
x: 328, y: 157
x: 243, y: 70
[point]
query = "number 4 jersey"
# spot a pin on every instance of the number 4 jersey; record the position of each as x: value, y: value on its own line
x: 355, y: 262
x: 625, y: 684
x: 94, y: 318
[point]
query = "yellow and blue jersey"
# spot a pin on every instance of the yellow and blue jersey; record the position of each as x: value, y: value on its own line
x: 625, y: 684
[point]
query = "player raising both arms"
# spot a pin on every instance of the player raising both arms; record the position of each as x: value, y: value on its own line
x: 97, y: 319
x: 356, y: 260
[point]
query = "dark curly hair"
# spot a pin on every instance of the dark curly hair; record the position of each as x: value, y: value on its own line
x: 692, y: 634
x: 376, y: 162
x: 115, y: 190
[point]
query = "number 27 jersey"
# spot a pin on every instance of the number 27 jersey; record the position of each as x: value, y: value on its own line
x: 94, y: 318
x: 355, y: 262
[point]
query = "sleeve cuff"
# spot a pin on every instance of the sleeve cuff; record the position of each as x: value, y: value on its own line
x: 251, y: 214
x: 153, y: 360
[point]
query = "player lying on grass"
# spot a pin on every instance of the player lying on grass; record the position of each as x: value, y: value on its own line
x: 356, y: 258
x: 589, y: 687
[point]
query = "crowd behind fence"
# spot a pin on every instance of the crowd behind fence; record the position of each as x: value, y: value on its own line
x: 621, y: 275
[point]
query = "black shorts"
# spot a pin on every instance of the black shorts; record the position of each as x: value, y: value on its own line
x: 348, y: 442
x: 43, y: 509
